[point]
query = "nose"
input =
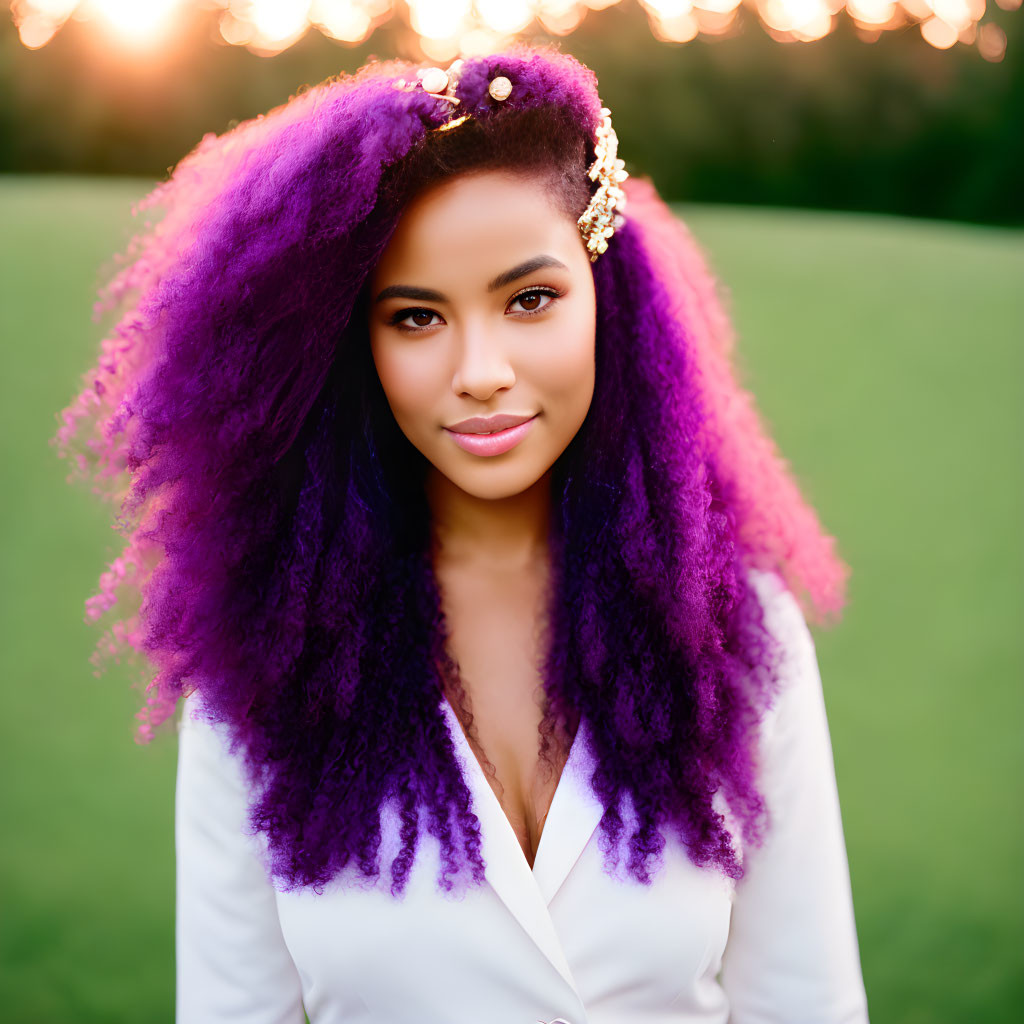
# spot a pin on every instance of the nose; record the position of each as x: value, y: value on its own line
x: 482, y: 365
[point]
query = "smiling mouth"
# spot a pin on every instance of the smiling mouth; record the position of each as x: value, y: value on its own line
x: 490, y: 424
x: 496, y: 442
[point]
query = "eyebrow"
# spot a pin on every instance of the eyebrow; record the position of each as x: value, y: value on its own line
x: 408, y: 291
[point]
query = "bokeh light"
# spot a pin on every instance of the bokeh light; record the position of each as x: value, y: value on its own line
x: 140, y: 23
x: 445, y: 28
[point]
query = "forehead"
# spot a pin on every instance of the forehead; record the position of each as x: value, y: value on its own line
x: 471, y: 227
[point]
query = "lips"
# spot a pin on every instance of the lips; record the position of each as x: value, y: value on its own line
x: 505, y: 433
x: 489, y: 424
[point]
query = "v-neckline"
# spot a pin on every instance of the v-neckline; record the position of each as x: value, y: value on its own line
x: 573, y: 816
x: 484, y: 786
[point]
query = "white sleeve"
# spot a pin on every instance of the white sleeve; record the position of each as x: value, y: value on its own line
x: 232, y: 962
x: 792, y: 955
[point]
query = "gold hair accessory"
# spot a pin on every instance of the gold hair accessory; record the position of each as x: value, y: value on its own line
x: 437, y: 82
x: 603, y: 214
x: 442, y: 84
x: 500, y: 88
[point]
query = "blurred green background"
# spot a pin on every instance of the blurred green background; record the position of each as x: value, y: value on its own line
x: 886, y: 355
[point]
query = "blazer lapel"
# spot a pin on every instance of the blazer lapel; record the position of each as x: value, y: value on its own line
x: 574, y: 814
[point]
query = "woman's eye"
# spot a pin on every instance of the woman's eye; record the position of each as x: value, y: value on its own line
x: 412, y: 318
x: 533, y: 300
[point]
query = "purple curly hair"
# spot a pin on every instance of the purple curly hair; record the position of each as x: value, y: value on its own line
x: 277, y: 552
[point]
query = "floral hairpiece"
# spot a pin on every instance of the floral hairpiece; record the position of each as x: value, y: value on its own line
x: 603, y: 214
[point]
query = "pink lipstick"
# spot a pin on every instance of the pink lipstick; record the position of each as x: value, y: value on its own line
x: 473, y: 438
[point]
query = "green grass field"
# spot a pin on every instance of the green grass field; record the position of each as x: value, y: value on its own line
x: 886, y: 355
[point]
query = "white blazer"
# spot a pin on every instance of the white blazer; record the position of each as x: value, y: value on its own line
x: 563, y: 942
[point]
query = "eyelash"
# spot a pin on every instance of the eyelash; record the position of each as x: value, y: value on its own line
x: 403, y: 314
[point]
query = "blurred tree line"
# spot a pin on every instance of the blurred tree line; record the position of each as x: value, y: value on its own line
x: 892, y: 126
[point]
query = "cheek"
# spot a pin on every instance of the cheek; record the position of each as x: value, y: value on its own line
x: 405, y: 379
x: 563, y: 366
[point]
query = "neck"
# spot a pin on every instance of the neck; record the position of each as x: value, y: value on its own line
x: 504, y: 533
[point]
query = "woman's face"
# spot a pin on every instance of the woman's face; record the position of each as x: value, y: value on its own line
x: 483, y: 306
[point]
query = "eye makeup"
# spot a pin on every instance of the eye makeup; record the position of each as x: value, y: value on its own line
x: 553, y: 294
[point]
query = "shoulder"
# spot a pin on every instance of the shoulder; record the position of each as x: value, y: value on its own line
x: 785, y: 624
x: 211, y: 765
x: 782, y: 615
x: 796, y: 703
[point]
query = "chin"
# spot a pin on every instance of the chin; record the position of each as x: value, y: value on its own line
x: 507, y: 486
x: 492, y: 482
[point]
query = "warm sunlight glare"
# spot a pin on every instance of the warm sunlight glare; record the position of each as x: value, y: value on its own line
x: 275, y: 23
x: 346, y: 20
x: 446, y: 28
x: 136, y: 23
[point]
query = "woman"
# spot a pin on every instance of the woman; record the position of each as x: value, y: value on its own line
x: 477, y: 570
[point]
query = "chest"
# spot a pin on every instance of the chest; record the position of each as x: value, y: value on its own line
x: 591, y: 948
x: 497, y: 640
